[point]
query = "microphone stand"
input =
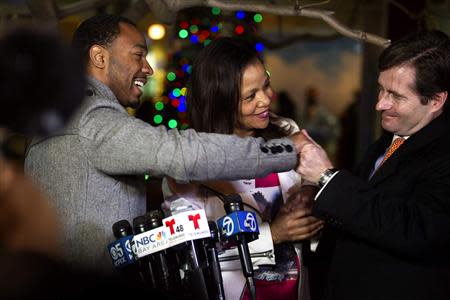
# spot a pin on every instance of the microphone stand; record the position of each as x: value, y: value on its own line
x: 233, y: 203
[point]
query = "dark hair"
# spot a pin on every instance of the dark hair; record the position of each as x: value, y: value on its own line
x: 428, y: 52
x: 98, y: 30
x: 41, y: 81
x: 214, y: 91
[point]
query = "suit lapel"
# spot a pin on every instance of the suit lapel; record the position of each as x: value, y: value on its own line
x: 372, y: 154
x: 423, y: 138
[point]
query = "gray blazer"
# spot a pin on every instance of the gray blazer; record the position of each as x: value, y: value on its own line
x: 93, y: 170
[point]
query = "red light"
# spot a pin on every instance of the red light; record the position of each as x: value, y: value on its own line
x: 239, y: 29
x: 184, y: 24
x: 175, y: 102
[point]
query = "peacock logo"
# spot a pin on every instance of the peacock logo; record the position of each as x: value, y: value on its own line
x: 160, y: 236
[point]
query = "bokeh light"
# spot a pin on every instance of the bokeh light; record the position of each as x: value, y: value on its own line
x: 156, y: 31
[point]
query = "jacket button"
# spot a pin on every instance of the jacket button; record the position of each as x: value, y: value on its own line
x: 288, y: 148
x: 264, y: 149
x: 273, y: 149
x: 279, y: 149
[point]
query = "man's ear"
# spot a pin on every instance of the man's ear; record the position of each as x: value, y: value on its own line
x: 98, y: 56
x: 439, y: 100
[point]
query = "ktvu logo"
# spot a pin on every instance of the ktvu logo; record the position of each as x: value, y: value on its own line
x: 228, y: 225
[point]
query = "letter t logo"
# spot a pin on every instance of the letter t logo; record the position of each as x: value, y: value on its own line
x: 170, y: 224
x: 195, y: 218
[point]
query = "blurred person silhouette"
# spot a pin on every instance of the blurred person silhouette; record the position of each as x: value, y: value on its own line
x: 93, y: 169
x: 319, y: 122
x: 230, y: 92
x: 346, y: 152
x: 285, y: 106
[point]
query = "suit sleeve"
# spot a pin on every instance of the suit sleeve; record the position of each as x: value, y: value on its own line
x: 412, y: 221
x: 119, y: 144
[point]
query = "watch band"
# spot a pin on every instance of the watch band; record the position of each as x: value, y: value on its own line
x: 326, y: 176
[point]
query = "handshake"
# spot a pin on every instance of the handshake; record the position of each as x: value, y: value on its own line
x: 313, y: 160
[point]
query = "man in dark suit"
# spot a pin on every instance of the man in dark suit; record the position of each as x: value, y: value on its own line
x: 392, y: 216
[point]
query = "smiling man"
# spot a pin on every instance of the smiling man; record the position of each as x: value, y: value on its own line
x: 94, y: 169
x: 392, y: 216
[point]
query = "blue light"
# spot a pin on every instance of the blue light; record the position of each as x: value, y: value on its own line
x: 240, y: 14
x: 182, y: 107
x: 215, y: 28
x: 185, y: 68
x: 259, y: 47
x: 193, y: 39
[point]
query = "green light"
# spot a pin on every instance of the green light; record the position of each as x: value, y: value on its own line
x: 157, y: 119
x: 159, y: 105
x: 146, y: 177
x: 173, y: 123
x: 206, y: 42
x: 183, y: 33
x: 193, y: 28
x: 215, y: 11
x: 171, y: 76
x: 176, y: 92
x: 257, y: 18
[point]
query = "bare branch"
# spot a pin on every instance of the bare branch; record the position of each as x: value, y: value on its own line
x: 281, y: 10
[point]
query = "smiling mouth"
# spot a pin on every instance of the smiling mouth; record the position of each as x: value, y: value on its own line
x: 263, y: 115
x: 140, y: 83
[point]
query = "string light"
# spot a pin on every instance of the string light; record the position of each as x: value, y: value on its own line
x: 239, y: 29
x: 157, y: 119
x: 215, y: 11
x: 257, y: 18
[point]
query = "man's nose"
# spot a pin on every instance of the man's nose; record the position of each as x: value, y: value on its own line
x: 146, y: 68
x: 384, y: 102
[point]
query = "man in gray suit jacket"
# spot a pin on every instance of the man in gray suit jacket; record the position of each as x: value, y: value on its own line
x: 93, y: 170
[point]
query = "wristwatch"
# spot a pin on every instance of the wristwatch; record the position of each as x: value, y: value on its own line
x: 326, y: 176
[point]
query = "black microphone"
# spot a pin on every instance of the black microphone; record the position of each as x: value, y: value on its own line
x: 141, y: 225
x: 213, y: 277
x: 164, y: 262
x: 122, y: 254
x: 192, y: 260
x: 240, y: 228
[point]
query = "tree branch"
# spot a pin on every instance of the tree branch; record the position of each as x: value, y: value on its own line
x: 324, y: 15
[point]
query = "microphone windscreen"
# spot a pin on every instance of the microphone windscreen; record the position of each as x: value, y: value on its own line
x: 122, y: 228
x: 140, y: 224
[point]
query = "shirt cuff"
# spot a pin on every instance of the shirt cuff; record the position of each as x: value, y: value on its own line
x: 320, y: 191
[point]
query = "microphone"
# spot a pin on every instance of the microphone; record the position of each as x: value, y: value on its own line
x: 141, y: 225
x: 122, y: 254
x: 164, y: 261
x: 238, y: 228
x: 192, y: 261
x: 214, y: 274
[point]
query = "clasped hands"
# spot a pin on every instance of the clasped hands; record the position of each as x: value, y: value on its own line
x: 313, y: 160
